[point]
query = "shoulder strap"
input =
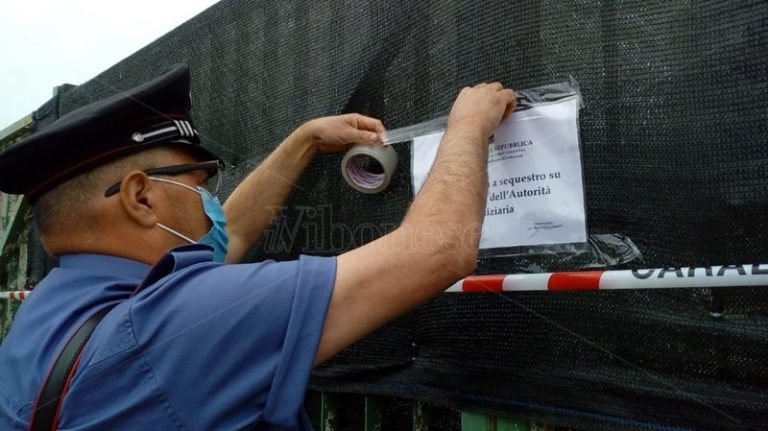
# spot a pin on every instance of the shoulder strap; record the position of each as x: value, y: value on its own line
x: 45, y: 416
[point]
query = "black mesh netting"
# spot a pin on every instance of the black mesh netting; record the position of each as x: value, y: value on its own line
x: 675, y: 153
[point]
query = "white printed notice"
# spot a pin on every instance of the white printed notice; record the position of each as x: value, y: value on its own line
x: 536, y: 192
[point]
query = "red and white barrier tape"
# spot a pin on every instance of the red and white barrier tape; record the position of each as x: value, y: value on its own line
x: 660, y: 278
x: 18, y: 295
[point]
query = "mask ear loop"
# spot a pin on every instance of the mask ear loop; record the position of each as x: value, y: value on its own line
x: 163, y: 180
x: 171, y: 231
x: 166, y: 228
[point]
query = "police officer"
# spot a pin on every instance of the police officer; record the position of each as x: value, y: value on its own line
x: 144, y: 327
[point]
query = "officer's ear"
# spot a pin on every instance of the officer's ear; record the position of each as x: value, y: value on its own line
x: 137, y: 196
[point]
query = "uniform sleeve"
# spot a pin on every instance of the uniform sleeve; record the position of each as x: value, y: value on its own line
x: 230, y: 345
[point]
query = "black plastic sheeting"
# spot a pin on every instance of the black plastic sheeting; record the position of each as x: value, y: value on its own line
x: 675, y: 150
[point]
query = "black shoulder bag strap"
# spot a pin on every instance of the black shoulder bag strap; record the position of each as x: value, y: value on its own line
x: 45, y: 416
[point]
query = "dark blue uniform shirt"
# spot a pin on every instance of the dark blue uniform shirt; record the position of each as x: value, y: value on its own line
x: 198, y: 346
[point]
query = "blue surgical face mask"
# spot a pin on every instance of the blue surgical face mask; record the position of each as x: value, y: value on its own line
x: 217, y: 236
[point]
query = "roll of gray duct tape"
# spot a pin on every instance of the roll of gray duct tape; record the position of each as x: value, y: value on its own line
x: 368, y: 169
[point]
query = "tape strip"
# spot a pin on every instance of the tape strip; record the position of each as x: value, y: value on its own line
x: 369, y: 169
x: 659, y: 278
x: 15, y: 295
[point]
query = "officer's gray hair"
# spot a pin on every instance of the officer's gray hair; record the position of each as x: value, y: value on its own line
x: 68, y: 205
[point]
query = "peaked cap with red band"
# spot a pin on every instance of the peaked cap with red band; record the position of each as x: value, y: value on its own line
x: 152, y: 114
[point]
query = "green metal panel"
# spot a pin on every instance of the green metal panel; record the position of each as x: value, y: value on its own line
x: 475, y: 422
x: 372, y: 421
x: 420, y: 416
x: 505, y: 424
x: 329, y: 411
x: 14, y: 230
x: 479, y: 422
x: 15, y: 131
x: 13, y: 255
x: 375, y: 407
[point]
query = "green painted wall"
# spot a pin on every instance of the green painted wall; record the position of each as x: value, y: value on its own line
x: 14, y: 234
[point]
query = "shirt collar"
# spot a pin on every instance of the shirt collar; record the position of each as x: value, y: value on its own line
x: 104, y: 264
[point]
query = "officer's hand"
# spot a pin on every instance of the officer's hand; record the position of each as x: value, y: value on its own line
x: 481, y: 108
x: 330, y: 134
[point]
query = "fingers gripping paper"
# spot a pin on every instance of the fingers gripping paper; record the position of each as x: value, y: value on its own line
x: 536, y: 191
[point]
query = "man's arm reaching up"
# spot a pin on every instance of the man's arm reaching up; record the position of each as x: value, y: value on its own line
x: 257, y: 200
x: 436, y: 244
